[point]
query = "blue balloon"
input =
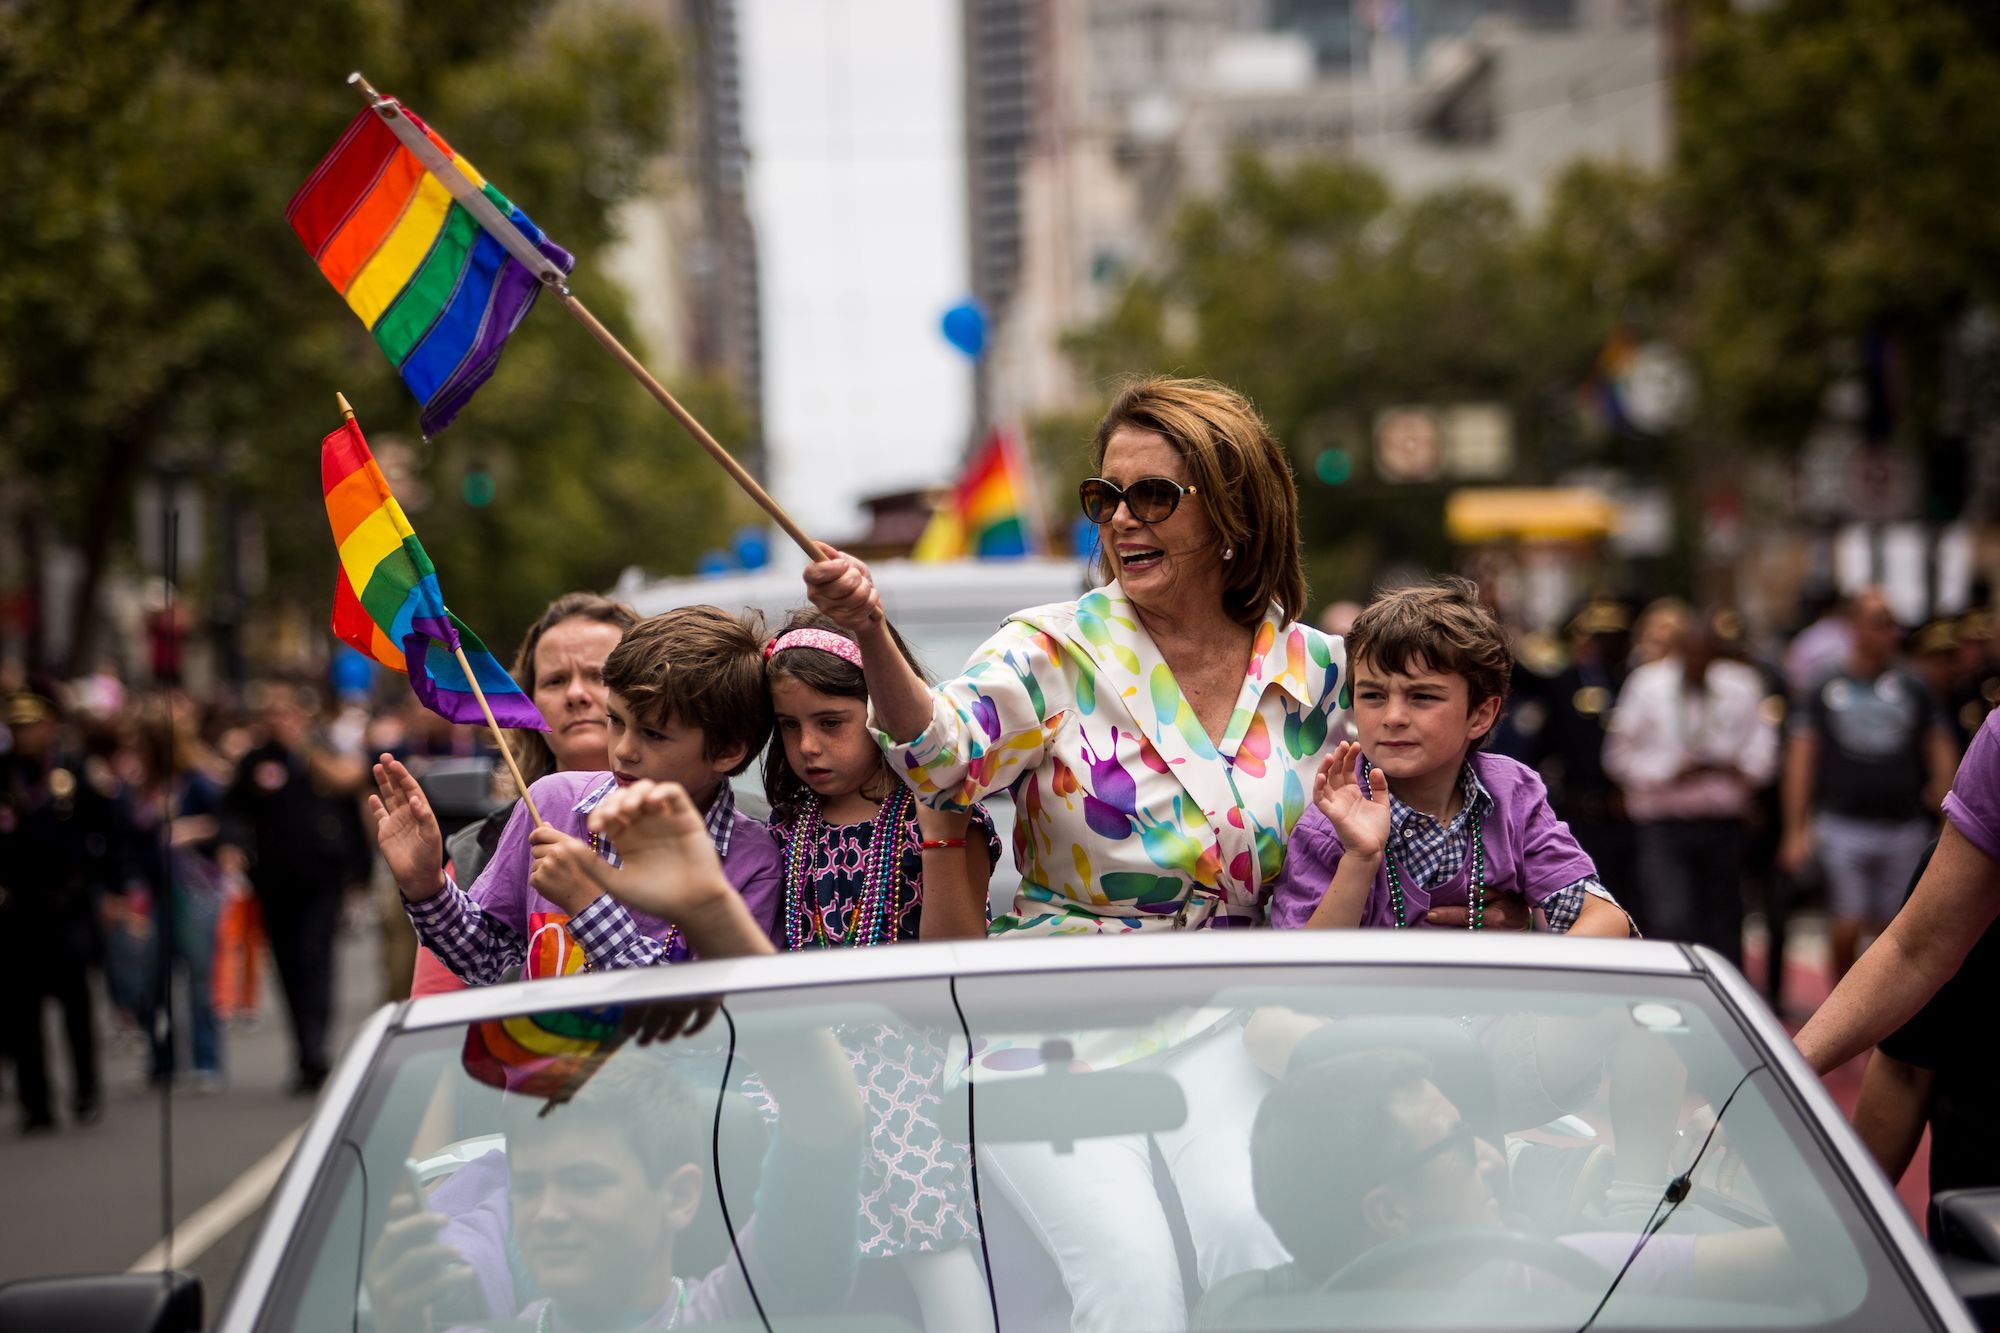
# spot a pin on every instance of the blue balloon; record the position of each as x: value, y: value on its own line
x: 351, y: 672
x: 713, y: 564
x: 965, y: 328
x: 751, y: 548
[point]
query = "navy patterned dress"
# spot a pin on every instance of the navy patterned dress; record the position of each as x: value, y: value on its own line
x: 917, y: 1186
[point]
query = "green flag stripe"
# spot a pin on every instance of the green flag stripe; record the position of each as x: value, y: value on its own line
x: 419, y: 304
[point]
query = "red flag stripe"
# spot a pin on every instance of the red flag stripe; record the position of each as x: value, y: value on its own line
x: 341, y: 181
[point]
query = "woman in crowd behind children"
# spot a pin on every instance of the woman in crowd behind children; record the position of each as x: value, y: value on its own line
x: 560, y: 663
x: 866, y: 864
x: 687, y: 704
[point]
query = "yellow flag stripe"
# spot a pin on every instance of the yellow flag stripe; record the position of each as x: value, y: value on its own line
x: 374, y: 538
x: 402, y: 252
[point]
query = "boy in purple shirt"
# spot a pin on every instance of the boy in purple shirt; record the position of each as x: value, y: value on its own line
x: 687, y: 705
x: 1411, y: 818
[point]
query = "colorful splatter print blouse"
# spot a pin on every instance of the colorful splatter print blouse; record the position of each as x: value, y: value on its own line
x: 1130, y: 817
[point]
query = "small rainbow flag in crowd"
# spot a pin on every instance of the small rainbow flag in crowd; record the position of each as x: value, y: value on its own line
x: 391, y: 216
x: 387, y: 603
x: 989, y: 513
x: 1603, y: 395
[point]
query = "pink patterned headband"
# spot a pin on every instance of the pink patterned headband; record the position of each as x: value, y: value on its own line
x: 825, y: 640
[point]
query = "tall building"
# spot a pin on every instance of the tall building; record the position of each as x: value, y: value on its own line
x: 688, y: 256
x: 1000, y: 94
x: 1138, y: 105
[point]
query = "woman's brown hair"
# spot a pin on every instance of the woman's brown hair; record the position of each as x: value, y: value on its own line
x: 1242, y: 481
x: 532, y: 753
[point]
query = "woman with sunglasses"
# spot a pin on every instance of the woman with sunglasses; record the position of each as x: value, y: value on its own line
x: 1159, y: 736
x: 1160, y: 733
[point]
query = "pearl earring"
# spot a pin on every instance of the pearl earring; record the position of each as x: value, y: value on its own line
x: 1229, y: 553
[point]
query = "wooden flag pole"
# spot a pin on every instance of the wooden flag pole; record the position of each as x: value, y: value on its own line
x: 736, y: 470
x: 499, y: 736
x: 504, y: 231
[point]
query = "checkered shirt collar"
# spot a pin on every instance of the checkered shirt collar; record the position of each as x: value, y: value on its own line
x: 720, y: 819
x: 1477, y: 798
x: 1427, y: 851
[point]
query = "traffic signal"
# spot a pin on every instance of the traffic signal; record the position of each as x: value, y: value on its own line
x: 477, y: 488
x: 1334, y: 466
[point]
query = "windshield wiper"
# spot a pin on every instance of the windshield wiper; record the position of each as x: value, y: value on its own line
x: 1677, y: 1189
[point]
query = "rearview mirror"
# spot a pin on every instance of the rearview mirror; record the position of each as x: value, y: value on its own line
x: 1965, y: 1230
x: 110, y: 1303
x: 1059, y: 1106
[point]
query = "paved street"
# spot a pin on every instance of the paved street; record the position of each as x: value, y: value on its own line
x: 88, y: 1200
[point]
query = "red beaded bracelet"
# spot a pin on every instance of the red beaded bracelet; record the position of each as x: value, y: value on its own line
x: 936, y: 844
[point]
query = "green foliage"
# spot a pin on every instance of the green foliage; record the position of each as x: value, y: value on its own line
x: 1326, y: 300
x: 156, y: 308
x: 1827, y: 187
x: 1831, y: 178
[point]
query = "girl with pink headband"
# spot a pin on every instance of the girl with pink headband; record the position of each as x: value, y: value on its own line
x: 866, y: 864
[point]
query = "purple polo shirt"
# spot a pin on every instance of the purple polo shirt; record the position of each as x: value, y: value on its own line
x: 754, y: 863
x: 1528, y: 852
x: 1973, y: 807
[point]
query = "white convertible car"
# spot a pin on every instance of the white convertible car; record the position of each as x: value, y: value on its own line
x: 1237, y: 1130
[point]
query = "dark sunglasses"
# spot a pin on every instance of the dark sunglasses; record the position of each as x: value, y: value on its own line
x: 1151, y: 499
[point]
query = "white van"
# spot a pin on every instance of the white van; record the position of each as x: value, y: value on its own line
x: 944, y: 611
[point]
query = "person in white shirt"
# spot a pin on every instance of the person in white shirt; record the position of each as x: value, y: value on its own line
x: 1690, y: 744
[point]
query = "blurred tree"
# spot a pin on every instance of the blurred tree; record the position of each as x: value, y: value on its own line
x: 1326, y: 301
x: 1827, y: 180
x: 155, y: 309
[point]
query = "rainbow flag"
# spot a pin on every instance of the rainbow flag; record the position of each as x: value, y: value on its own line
x: 440, y: 291
x: 548, y: 1055
x: 398, y: 615
x: 989, y: 513
x: 1603, y: 395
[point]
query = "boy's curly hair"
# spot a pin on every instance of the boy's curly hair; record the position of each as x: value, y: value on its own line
x: 702, y: 666
x: 1437, y: 626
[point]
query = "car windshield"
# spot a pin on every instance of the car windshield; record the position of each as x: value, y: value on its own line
x: 1218, y: 1147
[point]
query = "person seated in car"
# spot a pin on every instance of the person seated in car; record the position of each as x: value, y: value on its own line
x: 597, y: 1189
x: 1362, y: 1150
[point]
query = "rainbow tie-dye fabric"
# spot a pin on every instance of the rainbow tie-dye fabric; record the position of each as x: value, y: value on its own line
x: 1130, y: 816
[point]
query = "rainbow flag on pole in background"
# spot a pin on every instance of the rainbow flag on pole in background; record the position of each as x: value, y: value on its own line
x: 990, y: 513
x: 387, y: 603
x: 416, y: 241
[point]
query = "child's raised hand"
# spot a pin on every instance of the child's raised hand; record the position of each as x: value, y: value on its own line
x: 670, y: 867
x: 561, y: 869
x: 1362, y: 821
x: 406, y: 831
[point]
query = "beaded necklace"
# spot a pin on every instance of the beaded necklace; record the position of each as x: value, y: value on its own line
x: 601, y: 845
x: 872, y: 919
x: 1475, y: 897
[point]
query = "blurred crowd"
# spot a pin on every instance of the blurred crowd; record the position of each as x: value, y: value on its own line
x: 176, y: 860
x: 1713, y: 773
